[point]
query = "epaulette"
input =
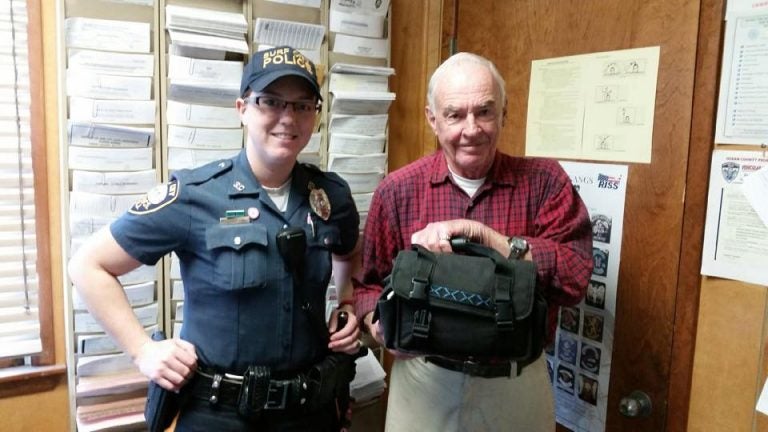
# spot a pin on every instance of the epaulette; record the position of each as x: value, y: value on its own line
x: 203, y: 173
x: 315, y: 172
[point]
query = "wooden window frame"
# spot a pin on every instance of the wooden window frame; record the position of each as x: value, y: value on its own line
x: 43, y: 373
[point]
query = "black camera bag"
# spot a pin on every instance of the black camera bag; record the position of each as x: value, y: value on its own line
x: 474, y: 302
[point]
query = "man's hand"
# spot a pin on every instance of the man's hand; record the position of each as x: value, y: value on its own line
x: 375, y: 330
x: 170, y: 363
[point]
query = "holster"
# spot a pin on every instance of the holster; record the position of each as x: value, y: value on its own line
x: 162, y: 405
x: 329, y: 380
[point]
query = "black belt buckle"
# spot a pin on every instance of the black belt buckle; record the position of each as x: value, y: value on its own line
x: 277, y: 394
x: 254, y: 391
x: 471, y: 367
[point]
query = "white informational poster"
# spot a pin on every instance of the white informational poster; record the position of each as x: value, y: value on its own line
x: 597, y: 106
x: 735, y: 238
x: 580, y: 364
x: 742, y: 114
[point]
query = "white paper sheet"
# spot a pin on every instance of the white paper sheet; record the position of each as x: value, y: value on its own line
x: 361, y: 102
x: 114, y: 183
x: 295, y: 34
x: 356, y: 144
x: 755, y: 188
x: 107, y: 35
x: 742, y: 114
x: 113, y: 63
x: 201, y: 116
x: 204, y: 71
x: 205, y: 138
x: 358, y: 124
x: 306, y: 3
x: 361, y: 46
x: 100, y: 86
x: 358, y: 163
x: 190, y: 92
x: 111, y: 111
x: 735, y: 239
x: 208, y: 42
x: 358, y: 82
x: 87, y: 134
x: 376, y: 7
x: 357, y: 24
x: 206, y: 21
x: 110, y: 159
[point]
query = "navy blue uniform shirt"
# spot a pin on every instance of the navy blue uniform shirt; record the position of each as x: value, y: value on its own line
x: 240, y: 307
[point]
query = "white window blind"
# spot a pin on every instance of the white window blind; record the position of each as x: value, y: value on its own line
x: 19, y: 322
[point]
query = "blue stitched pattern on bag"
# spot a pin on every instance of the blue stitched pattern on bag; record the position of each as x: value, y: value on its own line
x: 459, y: 296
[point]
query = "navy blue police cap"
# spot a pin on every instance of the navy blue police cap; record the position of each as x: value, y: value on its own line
x: 269, y: 65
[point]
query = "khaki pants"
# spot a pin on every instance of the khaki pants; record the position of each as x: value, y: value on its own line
x: 427, y: 398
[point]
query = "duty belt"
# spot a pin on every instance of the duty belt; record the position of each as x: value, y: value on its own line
x: 255, y: 391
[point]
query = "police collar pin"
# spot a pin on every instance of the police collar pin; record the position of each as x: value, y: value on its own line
x: 238, y: 186
x: 319, y: 202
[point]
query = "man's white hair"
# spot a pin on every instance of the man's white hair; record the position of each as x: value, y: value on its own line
x: 459, y: 59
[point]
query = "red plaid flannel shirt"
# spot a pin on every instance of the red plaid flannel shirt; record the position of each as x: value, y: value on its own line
x: 527, y: 197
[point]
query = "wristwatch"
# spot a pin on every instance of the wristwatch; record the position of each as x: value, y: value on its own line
x: 518, y: 246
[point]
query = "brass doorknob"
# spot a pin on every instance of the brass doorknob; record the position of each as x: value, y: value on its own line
x: 636, y: 405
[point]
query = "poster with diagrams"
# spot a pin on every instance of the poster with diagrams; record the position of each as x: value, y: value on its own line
x: 597, y: 106
x: 579, y: 363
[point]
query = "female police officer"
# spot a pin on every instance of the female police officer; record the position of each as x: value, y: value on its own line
x: 257, y: 237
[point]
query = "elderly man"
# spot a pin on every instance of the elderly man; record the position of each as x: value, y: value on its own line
x: 522, y: 207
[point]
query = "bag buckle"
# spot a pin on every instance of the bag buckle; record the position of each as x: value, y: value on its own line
x: 505, y: 319
x: 421, y: 321
x: 277, y: 394
x: 418, y: 289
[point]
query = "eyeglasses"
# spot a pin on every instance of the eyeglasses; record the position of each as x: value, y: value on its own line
x: 275, y: 105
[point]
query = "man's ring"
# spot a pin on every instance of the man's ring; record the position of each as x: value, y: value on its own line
x: 444, y: 238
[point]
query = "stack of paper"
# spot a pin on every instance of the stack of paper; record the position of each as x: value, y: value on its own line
x: 357, y: 130
x: 214, y: 32
x: 369, y: 379
x: 359, y: 32
x: 203, y: 84
x: 111, y: 157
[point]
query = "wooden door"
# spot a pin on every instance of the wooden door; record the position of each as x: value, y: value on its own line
x: 512, y: 34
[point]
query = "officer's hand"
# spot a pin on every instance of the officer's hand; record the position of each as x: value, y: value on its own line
x: 347, y: 338
x: 170, y: 363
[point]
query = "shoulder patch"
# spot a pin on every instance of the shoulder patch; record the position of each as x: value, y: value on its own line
x: 157, y: 198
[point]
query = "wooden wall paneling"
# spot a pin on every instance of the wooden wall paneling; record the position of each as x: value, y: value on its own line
x: 699, y: 155
x: 727, y: 366
x: 761, y: 419
x: 654, y: 205
x: 415, y: 55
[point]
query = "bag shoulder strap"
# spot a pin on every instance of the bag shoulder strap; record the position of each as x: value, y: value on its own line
x: 422, y: 280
